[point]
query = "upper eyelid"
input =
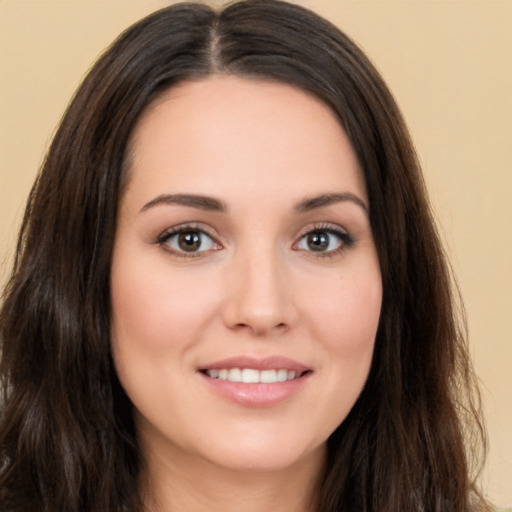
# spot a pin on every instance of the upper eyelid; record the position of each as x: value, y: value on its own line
x: 189, y: 226
x: 199, y: 226
x: 323, y: 226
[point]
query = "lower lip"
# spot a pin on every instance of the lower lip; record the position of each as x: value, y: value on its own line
x: 257, y: 395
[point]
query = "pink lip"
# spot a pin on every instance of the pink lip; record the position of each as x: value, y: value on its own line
x: 257, y: 395
x: 266, y: 363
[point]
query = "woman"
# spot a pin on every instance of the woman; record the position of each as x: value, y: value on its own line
x: 229, y: 293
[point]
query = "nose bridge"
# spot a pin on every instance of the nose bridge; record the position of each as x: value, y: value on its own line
x: 259, y: 298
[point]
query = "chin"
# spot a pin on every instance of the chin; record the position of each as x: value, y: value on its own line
x: 259, y: 454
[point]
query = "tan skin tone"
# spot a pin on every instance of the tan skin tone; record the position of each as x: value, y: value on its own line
x: 243, y: 233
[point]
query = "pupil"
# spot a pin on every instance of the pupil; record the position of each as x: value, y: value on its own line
x: 318, y: 241
x: 189, y: 241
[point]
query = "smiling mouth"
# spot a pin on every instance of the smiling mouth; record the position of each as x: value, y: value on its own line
x: 256, y: 381
x: 253, y: 376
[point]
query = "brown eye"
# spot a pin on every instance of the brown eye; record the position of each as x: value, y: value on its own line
x: 325, y: 240
x: 317, y: 241
x: 188, y: 240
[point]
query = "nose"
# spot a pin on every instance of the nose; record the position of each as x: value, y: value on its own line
x: 259, y: 297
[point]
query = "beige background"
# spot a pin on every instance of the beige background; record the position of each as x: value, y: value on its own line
x: 449, y: 65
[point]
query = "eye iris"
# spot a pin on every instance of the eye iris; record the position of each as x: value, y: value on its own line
x: 189, y: 241
x: 318, y: 241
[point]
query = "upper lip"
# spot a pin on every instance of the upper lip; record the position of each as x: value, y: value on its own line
x: 264, y: 363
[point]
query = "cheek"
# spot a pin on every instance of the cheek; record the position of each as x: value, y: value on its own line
x: 157, y: 320
x: 151, y: 308
x: 347, y: 312
x: 344, y: 321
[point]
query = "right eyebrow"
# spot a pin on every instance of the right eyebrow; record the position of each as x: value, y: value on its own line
x: 323, y: 200
x: 192, y: 200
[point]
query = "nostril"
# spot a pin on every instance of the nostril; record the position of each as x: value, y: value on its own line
x: 260, y: 328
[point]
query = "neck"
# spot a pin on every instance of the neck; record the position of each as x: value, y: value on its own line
x: 201, y: 486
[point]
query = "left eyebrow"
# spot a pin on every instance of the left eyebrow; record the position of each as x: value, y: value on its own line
x: 323, y: 200
x: 192, y: 200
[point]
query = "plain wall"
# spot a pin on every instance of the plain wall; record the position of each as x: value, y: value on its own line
x: 449, y: 65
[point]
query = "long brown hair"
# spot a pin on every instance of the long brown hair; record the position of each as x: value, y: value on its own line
x: 67, y: 438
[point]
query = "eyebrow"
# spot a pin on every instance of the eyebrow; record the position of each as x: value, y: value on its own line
x: 191, y: 200
x: 323, y: 200
x: 211, y: 204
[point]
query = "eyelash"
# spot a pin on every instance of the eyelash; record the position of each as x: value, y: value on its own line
x: 163, y: 239
x: 345, y: 240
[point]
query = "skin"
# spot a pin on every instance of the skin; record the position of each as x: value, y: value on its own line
x: 255, y: 287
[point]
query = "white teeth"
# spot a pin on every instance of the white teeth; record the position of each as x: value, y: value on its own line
x: 282, y: 375
x: 268, y: 376
x: 252, y: 376
x: 235, y: 375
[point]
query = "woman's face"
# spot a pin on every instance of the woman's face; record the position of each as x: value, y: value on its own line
x: 246, y: 288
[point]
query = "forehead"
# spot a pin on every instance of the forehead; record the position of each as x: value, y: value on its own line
x: 244, y: 133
